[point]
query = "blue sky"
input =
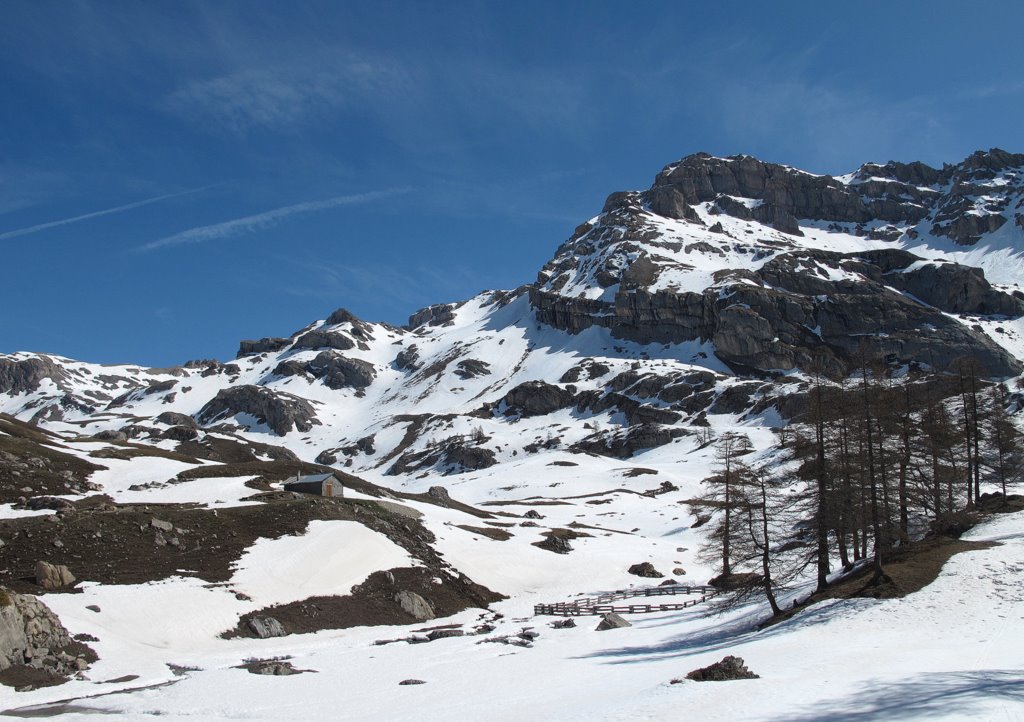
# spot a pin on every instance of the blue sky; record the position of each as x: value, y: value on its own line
x: 177, y: 176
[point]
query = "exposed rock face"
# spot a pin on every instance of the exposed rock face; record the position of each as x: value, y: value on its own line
x: 436, y: 315
x: 415, y: 605
x: 263, y: 345
x: 335, y: 370
x: 32, y: 635
x: 789, y: 317
x: 408, y: 359
x: 536, y: 398
x: 324, y: 339
x: 24, y: 376
x: 281, y: 412
x: 342, y: 315
x: 471, y: 368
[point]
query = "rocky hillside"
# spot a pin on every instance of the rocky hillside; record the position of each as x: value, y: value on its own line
x: 706, y: 294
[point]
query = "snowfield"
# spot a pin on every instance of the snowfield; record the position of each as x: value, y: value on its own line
x: 952, y: 651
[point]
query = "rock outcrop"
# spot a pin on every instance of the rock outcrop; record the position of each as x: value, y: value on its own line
x: 281, y: 412
x: 32, y: 635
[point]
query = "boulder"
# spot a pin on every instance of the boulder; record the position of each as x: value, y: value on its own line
x: 645, y: 569
x: 611, y: 621
x: 415, y: 605
x: 730, y: 668
x: 556, y: 544
x: 53, y: 576
x: 266, y: 627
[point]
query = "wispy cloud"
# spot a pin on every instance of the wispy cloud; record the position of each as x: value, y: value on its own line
x: 259, y: 221
x: 96, y: 214
x: 288, y: 95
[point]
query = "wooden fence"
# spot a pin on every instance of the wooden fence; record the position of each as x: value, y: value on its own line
x: 603, y: 603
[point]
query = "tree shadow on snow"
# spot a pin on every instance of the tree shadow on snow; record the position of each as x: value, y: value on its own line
x: 946, y: 694
x: 724, y: 635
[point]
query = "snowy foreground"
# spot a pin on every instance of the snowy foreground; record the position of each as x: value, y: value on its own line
x: 954, y: 650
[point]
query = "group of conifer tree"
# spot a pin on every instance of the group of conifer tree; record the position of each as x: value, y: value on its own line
x: 876, y: 460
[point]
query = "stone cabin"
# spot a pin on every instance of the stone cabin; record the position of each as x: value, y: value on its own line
x: 319, y: 484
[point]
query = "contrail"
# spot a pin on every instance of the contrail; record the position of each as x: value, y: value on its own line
x: 262, y: 220
x: 97, y: 214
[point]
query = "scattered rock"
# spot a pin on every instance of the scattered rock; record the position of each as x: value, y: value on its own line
x: 411, y: 681
x: 567, y: 623
x: 275, y: 667
x: 533, y: 514
x: 612, y: 621
x: 645, y: 569
x: 679, y: 572
x: 729, y: 668
x: 444, y: 633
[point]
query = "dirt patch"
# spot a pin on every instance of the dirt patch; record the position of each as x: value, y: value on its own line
x: 130, y: 544
x: 490, y: 533
x: 373, y: 602
x: 907, y: 570
x: 28, y: 460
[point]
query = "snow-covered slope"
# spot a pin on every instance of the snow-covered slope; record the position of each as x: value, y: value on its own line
x: 696, y: 305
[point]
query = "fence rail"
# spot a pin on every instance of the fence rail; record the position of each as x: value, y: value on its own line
x: 602, y: 604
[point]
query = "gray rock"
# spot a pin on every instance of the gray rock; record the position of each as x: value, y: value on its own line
x: 53, y: 576
x: 30, y: 631
x: 415, y: 605
x: 612, y: 621
x: 266, y: 627
x: 173, y: 418
x: 405, y: 682
x: 161, y: 524
x: 24, y: 376
x: 110, y: 435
